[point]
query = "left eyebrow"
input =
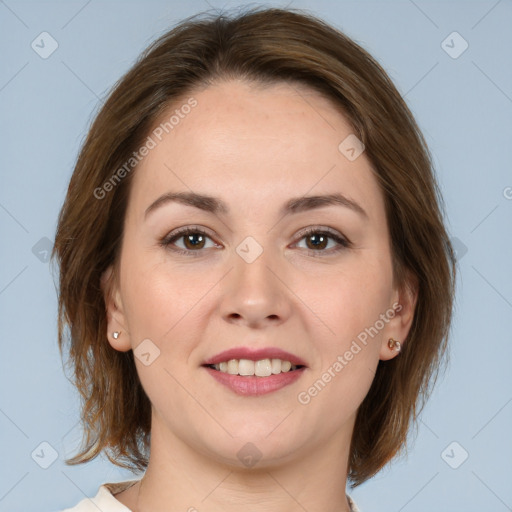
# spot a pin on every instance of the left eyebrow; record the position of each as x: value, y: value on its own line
x: 294, y: 205
x: 301, y: 204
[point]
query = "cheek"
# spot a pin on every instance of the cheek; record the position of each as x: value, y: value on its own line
x: 163, y: 304
x: 354, y: 300
x: 157, y: 297
x: 349, y: 355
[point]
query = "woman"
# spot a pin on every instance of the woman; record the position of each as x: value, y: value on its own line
x: 254, y: 270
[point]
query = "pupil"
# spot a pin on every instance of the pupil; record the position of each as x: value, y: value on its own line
x: 189, y: 239
x: 318, y: 237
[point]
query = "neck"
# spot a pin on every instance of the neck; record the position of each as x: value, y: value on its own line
x: 180, y: 478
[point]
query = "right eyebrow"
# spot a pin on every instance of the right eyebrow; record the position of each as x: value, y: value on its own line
x: 294, y: 205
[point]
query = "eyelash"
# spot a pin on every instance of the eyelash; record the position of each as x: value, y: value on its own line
x: 343, y: 243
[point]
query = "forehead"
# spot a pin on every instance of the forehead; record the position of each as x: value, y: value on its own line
x: 252, y: 143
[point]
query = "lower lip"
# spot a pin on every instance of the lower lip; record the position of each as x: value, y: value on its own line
x: 252, y: 385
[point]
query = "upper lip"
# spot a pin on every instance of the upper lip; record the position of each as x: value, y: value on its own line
x: 255, y: 354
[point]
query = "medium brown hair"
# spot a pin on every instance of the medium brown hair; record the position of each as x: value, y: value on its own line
x: 263, y: 46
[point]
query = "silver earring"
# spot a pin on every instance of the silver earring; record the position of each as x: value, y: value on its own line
x: 115, y: 334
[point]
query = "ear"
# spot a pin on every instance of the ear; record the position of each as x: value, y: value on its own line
x: 399, y: 325
x: 114, y: 311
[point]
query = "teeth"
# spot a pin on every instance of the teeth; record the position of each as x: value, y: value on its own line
x: 232, y: 367
x: 246, y: 367
x: 262, y: 368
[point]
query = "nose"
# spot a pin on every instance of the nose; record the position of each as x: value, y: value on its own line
x: 256, y: 294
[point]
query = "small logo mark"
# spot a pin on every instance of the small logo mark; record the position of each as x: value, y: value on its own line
x: 454, y: 455
x: 42, y: 249
x: 249, y: 249
x: 459, y: 247
x: 45, y: 455
x: 44, y: 45
x: 146, y: 352
x: 249, y: 455
x: 454, y: 45
x: 351, y: 147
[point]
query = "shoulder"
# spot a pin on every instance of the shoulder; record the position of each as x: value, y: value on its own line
x: 104, y: 499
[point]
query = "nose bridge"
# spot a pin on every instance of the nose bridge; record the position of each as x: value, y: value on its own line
x: 255, y: 294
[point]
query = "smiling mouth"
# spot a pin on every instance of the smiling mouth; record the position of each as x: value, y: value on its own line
x: 249, y: 368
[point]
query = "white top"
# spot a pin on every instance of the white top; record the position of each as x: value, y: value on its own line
x: 106, y: 502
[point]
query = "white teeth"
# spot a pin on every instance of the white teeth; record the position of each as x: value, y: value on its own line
x: 261, y: 368
x: 232, y: 367
x: 276, y: 366
x: 285, y: 366
x: 246, y: 367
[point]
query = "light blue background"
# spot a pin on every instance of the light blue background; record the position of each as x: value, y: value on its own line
x: 464, y: 107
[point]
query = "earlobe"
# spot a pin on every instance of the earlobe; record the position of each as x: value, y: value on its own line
x: 117, y: 334
x: 401, y: 323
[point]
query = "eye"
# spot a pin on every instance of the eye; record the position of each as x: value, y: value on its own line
x: 194, y: 240
x: 317, y: 240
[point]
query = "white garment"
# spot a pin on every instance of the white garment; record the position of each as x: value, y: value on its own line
x: 106, y: 502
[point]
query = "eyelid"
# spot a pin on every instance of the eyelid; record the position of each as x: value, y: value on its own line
x: 322, y: 229
x: 178, y: 233
x: 342, y: 241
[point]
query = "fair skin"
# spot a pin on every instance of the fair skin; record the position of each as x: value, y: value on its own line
x: 254, y: 148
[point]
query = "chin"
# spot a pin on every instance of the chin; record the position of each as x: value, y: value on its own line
x: 250, y: 446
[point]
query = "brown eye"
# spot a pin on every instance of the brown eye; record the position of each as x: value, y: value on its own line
x: 194, y: 240
x: 317, y: 241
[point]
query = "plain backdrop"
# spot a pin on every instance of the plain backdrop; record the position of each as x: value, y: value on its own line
x: 461, y: 458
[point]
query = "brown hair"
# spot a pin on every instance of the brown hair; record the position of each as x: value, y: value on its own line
x: 265, y: 46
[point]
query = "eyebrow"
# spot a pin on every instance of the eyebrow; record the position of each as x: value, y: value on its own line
x: 294, y: 205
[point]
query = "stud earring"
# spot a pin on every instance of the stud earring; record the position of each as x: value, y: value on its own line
x: 394, y: 344
x: 115, y: 334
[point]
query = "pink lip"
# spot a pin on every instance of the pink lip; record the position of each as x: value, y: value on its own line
x: 255, y: 354
x: 253, y: 385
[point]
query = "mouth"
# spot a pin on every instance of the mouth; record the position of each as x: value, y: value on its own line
x: 246, y: 377
x: 260, y: 368
x: 250, y: 371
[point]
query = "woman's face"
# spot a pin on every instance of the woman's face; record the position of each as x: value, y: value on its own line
x: 253, y: 278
